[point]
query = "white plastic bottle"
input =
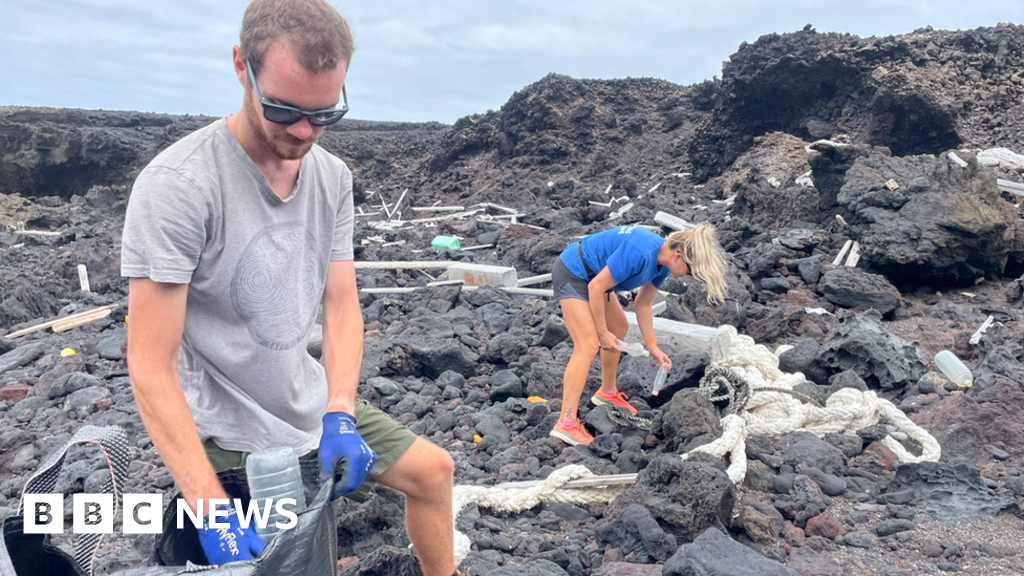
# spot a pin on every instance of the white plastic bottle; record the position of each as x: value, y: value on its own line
x: 635, y: 349
x: 954, y: 369
x: 274, y: 474
x: 659, y: 380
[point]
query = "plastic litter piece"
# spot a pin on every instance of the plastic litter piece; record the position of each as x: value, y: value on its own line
x: 442, y: 242
x: 957, y: 372
x: 659, y: 380
x: 273, y: 475
x: 536, y: 399
x: 67, y: 352
x: 634, y: 349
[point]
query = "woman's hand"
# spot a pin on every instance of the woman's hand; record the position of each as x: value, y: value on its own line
x: 608, y: 341
x: 660, y: 358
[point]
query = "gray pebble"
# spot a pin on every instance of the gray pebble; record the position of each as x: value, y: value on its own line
x: 858, y: 539
x: 890, y: 527
x: 997, y: 453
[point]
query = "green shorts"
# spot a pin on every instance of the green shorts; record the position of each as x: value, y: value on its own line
x: 386, y: 437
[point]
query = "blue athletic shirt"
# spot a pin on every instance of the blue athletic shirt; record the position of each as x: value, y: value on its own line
x: 629, y: 252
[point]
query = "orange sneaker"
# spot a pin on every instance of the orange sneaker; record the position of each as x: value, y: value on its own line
x: 616, y: 399
x: 573, y: 435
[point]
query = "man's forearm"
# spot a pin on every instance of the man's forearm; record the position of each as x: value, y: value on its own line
x: 168, y: 420
x: 343, y: 357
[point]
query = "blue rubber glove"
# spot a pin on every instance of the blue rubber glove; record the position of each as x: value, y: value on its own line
x: 223, y: 545
x: 345, y: 458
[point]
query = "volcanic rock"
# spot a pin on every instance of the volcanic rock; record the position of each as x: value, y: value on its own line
x: 883, y: 360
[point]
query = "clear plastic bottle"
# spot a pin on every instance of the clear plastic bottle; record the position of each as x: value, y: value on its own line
x: 274, y: 474
x: 954, y: 369
x: 659, y: 380
x: 635, y: 349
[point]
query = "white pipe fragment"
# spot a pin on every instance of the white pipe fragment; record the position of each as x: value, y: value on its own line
x: 660, y: 307
x: 976, y: 337
x: 438, y: 208
x: 403, y: 265
x: 394, y: 209
x: 854, y: 255
x: 673, y: 222
x: 1010, y: 187
x: 83, y: 278
x: 842, y: 253
x: 533, y: 280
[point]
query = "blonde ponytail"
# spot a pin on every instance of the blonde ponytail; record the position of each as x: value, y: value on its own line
x: 705, y: 257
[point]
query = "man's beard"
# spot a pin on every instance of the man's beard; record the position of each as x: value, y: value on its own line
x: 275, y: 148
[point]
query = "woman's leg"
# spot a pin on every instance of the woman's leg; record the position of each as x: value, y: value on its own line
x: 580, y: 323
x: 615, y: 318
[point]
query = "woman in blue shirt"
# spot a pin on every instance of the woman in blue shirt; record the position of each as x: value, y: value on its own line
x: 585, y: 276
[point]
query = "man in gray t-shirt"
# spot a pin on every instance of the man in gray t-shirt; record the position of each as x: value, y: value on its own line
x: 233, y: 239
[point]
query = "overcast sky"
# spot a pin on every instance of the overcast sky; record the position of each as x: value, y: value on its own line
x: 417, y: 60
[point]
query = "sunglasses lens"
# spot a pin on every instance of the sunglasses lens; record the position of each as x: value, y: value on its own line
x: 325, y: 118
x: 280, y: 115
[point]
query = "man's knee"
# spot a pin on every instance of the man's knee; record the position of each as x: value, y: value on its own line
x: 436, y: 472
x: 442, y: 467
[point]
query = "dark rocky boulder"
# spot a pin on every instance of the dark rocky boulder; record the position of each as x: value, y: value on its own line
x: 965, y: 423
x: 911, y: 93
x: 860, y: 342
x: 942, y: 223
x: 685, y: 497
x: 688, y: 420
x: 947, y: 492
x: 852, y: 287
x: 636, y: 532
x: 715, y: 554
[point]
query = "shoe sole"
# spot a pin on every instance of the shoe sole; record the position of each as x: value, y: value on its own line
x: 599, y: 402
x: 565, y: 437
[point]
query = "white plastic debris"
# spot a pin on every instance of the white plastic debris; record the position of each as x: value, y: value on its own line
x: 805, y: 180
x: 1001, y: 158
x: 976, y: 337
x: 957, y: 160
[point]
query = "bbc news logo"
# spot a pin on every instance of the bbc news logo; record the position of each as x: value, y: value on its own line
x: 143, y: 513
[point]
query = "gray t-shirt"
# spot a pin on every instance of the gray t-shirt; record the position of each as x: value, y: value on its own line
x: 201, y: 213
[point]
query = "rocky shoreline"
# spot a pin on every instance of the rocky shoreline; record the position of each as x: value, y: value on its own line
x: 808, y: 143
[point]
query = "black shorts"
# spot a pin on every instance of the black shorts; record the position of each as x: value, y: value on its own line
x: 569, y: 285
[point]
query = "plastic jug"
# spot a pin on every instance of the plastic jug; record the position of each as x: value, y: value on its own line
x: 635, y: 349
x: 442, y: 242
x: 274, y: 474
x: 954, y: 369
x: 659, y: 380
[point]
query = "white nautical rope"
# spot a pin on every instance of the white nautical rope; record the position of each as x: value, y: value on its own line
x: 518, y: 499
x: 765, y: 406
x: 775, y: 414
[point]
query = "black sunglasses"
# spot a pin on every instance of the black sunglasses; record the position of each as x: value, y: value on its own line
x: 281, y: 114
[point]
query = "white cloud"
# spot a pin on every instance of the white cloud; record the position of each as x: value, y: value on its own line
x: 417, y: 60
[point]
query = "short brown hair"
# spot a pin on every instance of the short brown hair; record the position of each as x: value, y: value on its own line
x: 319, y: 34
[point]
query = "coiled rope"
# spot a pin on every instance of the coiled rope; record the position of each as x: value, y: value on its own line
x: 761, y: 401
x: 758, y: 399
